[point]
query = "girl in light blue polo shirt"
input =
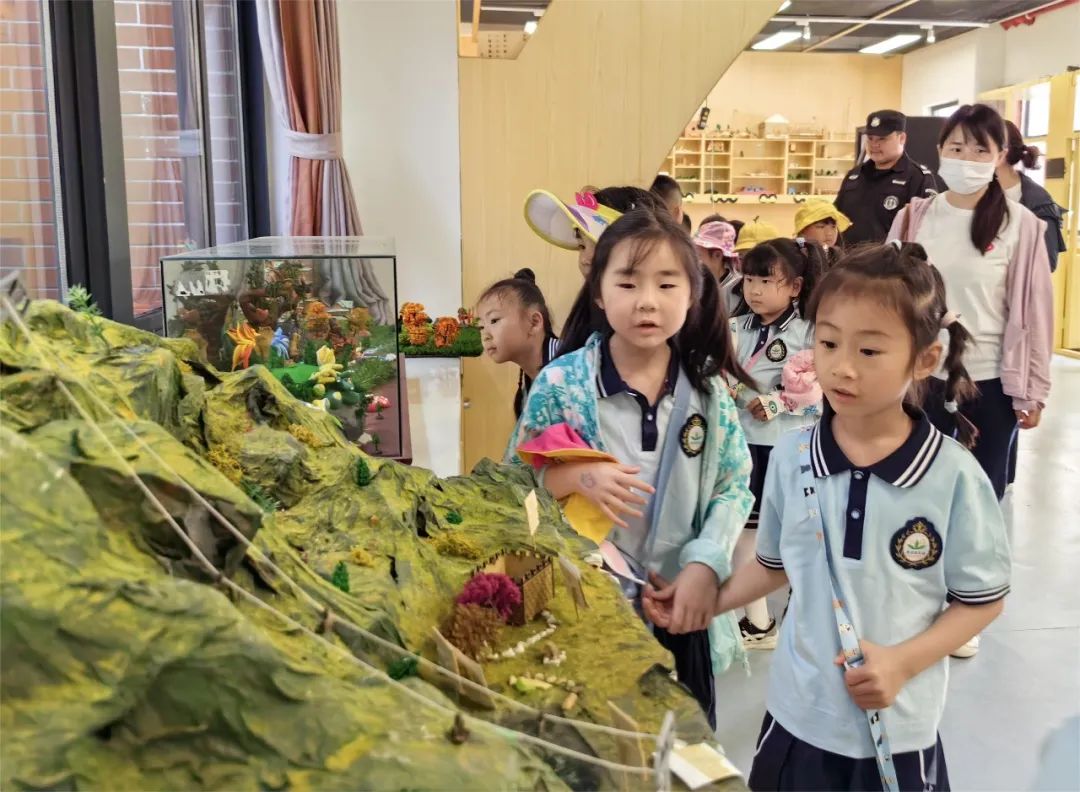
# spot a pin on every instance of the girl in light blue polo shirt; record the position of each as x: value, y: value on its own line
x: 648, y: 390
x: 889, y: 534
x: 773, y: 343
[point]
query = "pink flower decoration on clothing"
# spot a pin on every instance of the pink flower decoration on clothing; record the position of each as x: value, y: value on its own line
x: 799, y: 381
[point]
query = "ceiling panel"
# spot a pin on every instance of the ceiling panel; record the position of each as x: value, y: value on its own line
x: 514, y: 13
x: 988, y: 11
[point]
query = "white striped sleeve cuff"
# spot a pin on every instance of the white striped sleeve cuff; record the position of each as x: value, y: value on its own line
x: 770, y: 563
x: 979, y: 597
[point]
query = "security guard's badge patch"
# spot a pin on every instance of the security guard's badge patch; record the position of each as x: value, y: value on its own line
x: 917, y: 545
x: 693, y: 435
x: 891, y: 202
x: 776, y: 351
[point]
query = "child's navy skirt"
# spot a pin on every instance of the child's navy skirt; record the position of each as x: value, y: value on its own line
x: 784, y: 762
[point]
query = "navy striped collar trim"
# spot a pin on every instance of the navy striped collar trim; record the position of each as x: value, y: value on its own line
x: 753, y: 321
x: 904, y: 467
x: 610, y: 382
x: 549, y: 351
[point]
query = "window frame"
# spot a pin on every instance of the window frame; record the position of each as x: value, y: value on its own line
x: 93, y: 188
x: 952, y: 104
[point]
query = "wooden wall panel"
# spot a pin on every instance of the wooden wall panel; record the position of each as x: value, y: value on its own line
x: 831, y: 90
x: 597, y: 96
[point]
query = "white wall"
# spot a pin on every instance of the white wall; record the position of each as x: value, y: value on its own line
x: 962, y: 67
x: 1044, y: 48
x: 939, y: 73
x: 400, y: 129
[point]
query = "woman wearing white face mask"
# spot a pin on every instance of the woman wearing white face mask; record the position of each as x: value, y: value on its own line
x: 992, y: 255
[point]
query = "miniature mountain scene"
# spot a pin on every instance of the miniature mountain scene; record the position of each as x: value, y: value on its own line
x: 137, y: 659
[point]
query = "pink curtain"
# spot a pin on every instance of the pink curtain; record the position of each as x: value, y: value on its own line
x: 299, y: 42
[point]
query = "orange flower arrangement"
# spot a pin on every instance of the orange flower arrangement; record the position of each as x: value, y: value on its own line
x: 413, y: 314
x: 447, y: 330
x: 418, y: 334
x: 317, y: 320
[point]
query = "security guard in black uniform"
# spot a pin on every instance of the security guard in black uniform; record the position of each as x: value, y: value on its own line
x: 872, y: 193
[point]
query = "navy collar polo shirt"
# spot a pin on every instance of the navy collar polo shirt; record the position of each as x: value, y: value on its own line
x: 633, y: 431
x: 907, y: 534
x: 780, y: 323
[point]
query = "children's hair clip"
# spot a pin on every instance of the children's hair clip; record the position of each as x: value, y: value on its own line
x: 897, y: 243
x: 951, y: 407
x: 586, y: 199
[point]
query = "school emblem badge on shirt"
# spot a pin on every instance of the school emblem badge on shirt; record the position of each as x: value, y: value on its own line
x: 776, y: 351
x: 693, y: 435
x: 917, y: 545
x: 891, y: 202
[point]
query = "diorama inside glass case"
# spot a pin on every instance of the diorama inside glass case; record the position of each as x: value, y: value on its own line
x: 318, y: 312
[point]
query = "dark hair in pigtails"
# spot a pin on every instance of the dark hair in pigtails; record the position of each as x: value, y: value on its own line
x: 795, y: 258
x: 1018, y: 151
x: 983, y: 124
x: 523, y: 286
x: 901, y: 278
x: 704, y: 343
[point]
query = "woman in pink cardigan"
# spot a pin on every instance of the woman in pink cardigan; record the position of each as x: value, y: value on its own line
x: 992, y: 255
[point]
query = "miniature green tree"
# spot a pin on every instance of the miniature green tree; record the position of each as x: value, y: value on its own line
x: 81, y: 301
x: 340, y: 578
x: 363, y: 473
x: 310, y: 351
x: 264, y: 500
x: 454, y: 518
x: 403, y: 667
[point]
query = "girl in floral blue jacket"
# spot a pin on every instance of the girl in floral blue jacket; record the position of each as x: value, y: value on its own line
x: 648, y: 391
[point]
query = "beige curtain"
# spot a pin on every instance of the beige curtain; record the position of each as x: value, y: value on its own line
x: 299, y: 42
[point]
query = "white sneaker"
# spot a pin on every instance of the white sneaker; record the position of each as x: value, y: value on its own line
x: 753, y: 637
x: 970, y: 649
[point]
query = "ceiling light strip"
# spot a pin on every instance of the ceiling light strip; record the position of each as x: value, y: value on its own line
x: 829, y: 20
x: 846, y: 31
x: 890, y: 44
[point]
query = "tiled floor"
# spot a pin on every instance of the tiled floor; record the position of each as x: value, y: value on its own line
x: 1012, y: 721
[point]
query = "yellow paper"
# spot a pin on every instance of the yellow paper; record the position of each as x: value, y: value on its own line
x: 532, y: 512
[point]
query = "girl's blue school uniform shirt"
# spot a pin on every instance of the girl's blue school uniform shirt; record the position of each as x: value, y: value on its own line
x: 918, y: 529
x: 770, y: 347
x: 632, y: 429
x: 707, y: 500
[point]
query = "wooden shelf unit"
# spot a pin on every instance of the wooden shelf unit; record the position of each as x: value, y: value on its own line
x: 723, y: 165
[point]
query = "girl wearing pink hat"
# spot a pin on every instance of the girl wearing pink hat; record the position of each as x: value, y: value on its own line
x: 715, y: 244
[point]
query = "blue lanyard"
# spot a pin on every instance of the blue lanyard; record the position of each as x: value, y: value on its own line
x: 669, y: 457
x: 849, y: 641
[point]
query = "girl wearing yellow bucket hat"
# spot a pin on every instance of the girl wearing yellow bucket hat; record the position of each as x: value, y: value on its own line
x: 819, y: 221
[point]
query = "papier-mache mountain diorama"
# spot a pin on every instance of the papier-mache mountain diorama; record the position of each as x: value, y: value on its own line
x: 206, y: 585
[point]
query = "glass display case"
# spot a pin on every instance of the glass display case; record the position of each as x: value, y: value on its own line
x: 318, y: 312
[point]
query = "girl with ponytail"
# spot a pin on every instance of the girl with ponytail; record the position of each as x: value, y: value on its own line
x: 1022, y: 188
x: 887, y: 532
x: 774, y: 343
x: 992, y: 257
x: 515, y: 327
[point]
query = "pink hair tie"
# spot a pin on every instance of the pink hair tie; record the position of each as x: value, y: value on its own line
x: 586, y: 199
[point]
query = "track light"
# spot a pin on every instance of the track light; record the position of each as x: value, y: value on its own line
x: 530, y: 27
x: 930, y: 37
x: 806, y: 32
